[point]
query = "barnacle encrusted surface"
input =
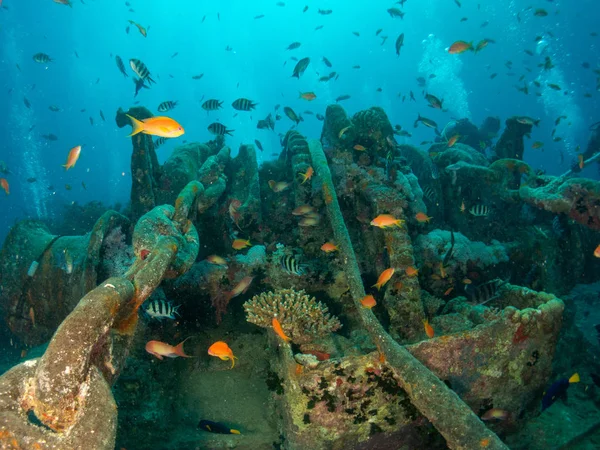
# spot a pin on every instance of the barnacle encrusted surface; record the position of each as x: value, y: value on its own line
x: 302, y: 317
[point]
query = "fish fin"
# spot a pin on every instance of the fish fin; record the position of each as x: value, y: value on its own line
x: 179, y: 349
x: 66, y: 166
x: 137, y: 126
x: 574, y: 378
x: 235, y: 431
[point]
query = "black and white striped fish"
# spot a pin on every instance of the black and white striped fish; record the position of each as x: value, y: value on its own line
x: 120, y: 65
x: 558, y: 227
x: 141, y: 70
x: 243, y: 104
x: 290, y: 265
x: 139, y: 85
x: 218, y: 129
x: 42, y: 58
x: 160, y: 141
x: 479, y: 211
x: 430, y: 193
x: 160, y: 309
x: 484, y: 293
x: 211, y: 105
x: 166, y: 106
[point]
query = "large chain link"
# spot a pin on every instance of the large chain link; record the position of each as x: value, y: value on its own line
x: 68, y: 388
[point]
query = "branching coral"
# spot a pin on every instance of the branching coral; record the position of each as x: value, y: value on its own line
x: 302, y: 318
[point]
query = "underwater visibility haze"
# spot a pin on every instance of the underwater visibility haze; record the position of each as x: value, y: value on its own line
x: 299, y: 224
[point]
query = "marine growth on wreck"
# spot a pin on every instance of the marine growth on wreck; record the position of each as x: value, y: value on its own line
x: 328, y: 225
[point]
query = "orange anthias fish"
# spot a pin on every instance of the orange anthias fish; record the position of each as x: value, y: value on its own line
x: 240, y: 244
x: 460, y: 47
x: 160, y: 349
x: 321, y: 356
x: 386, y: 221
x: 495, y: 413
x: 581, y: 161
x: 73, y: 157
x: 453, y: 140
x: 5, y: 186
x: 443, y: 272
x: 359, y: 148
x: 329, y: 247
x: 385, y: 276
x: 278, y: 186
x: 411, y: 271
x: 222, y: 351
x: 279, y: 330
x: 156, y: 126
x: 309, y: 221
x: 463, y: 208
x: 368, y: 301
x: 303, y: 210
x: 428, y: 329
x: 597, y: 252
x: 310, y: 96
x: 307, y: 175
x: 139, y: 27
x: 240, y: 288
x: 422, y: 217
x: 234, y: 214
x: 216, y: 260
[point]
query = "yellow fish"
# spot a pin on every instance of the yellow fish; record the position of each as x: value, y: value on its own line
x: 73, y: 157
x: 342, y: 131
x: 139, y: 27
x: 156, y: 126
x: 279, y: 330
x: 222, y: 351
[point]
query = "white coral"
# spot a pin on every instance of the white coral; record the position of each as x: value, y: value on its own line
x: 433, y: 247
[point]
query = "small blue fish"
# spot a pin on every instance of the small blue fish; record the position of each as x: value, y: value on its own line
x: 557, y: 390
x: 216, y: 427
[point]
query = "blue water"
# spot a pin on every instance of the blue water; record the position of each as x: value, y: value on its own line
x: 259, y: 68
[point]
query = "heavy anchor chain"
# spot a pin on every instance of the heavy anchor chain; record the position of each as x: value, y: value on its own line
x: 63, y: 400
